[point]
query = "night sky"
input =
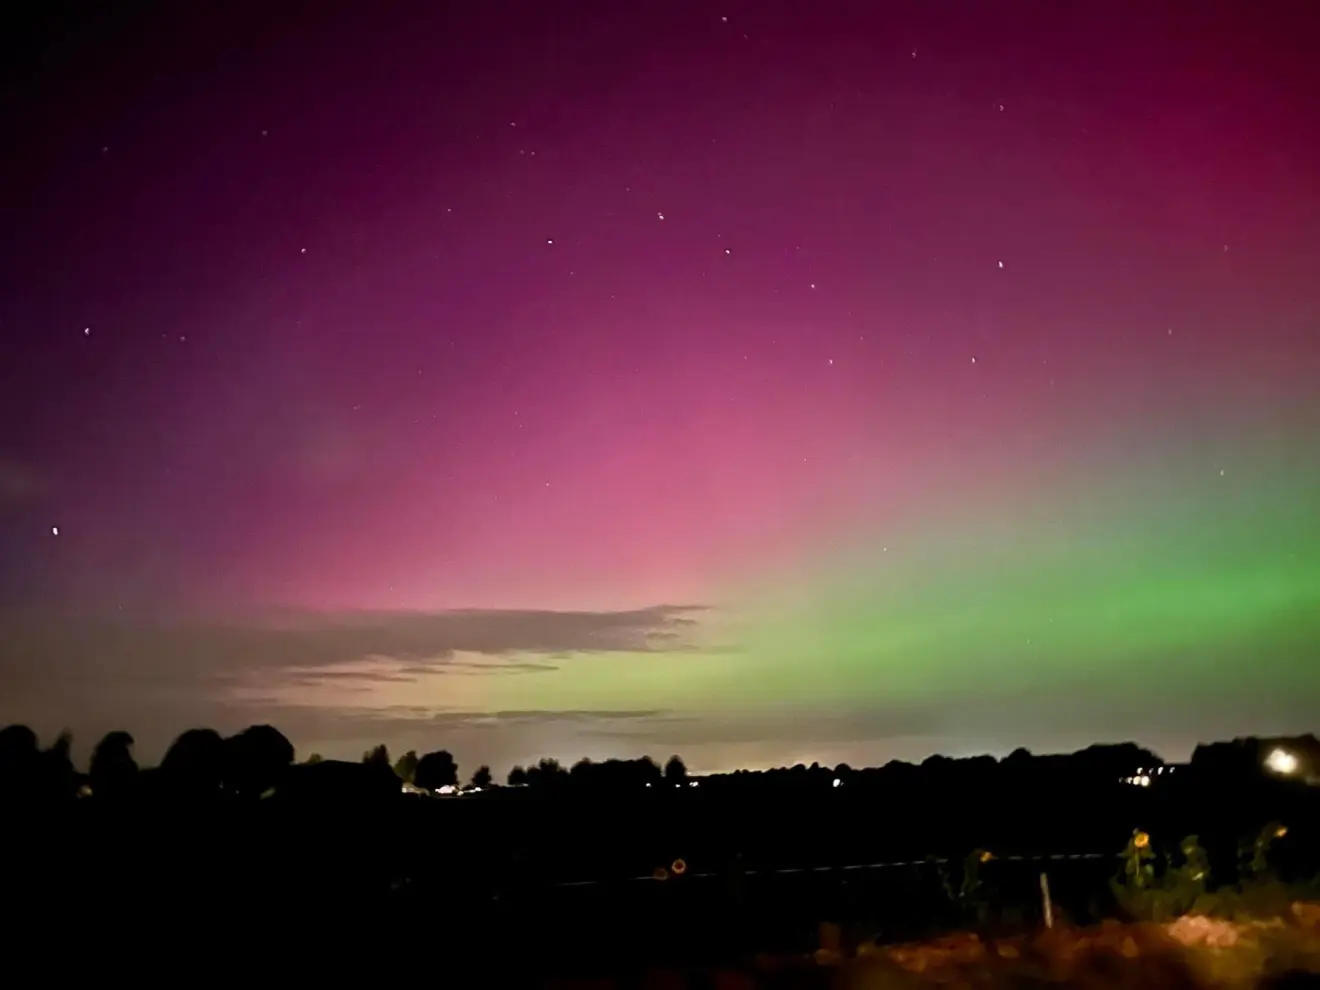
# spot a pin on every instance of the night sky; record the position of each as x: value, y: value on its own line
x: 761, y: 381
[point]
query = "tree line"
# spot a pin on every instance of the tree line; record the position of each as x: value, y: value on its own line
x: 257, y: 760
x: 254, y: 761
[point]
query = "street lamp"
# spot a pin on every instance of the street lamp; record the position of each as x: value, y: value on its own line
x: 1281, y: 762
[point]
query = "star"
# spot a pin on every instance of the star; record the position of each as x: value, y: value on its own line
x: 660, y: 216
x: 973, y: 360
x: 726, y: 251
x: 831, y: 360
x: 813, y: 285
x: 54, y: 531
x: 87, y: 331
x: 549, y: 240
x: 302, y: 250
x: 1001, y: 264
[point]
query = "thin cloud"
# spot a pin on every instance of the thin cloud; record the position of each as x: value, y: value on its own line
x: 789, y: 726
x: 161, y: 676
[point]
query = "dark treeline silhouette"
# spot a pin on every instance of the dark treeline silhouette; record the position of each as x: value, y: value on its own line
x: 234, y: 831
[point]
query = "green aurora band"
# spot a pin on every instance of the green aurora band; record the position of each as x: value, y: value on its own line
x: 1215, y: 598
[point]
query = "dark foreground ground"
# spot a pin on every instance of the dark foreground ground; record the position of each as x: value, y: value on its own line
x: 520, y: 890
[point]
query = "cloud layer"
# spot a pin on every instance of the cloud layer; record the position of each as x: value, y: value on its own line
x: 303, y: 670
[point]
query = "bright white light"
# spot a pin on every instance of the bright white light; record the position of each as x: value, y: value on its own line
x: 838, y: 782
x: 54, y: 531
x: 1281, y: 761
x: 1143, y: 781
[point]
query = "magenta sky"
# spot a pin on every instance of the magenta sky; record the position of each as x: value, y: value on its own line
x: 598, y: 306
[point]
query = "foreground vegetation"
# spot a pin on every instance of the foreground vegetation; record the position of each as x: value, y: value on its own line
x: 231, y: 839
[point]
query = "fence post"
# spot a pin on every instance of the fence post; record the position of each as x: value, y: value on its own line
x: 1045, y: 900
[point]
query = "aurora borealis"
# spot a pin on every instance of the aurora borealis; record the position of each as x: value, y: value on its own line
x: 764, y: 382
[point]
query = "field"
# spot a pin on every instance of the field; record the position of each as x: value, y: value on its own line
x: 1188, y: 954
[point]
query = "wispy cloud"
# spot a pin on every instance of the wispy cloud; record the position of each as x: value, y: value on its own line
x: 158, y: 677
x: 786, y: 726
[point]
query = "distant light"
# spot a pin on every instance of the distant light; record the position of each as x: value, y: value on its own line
x: 1143, y: 781
x: 1001, y: 264
x: 1281, y: 761
x: 87, y: 331
x: 693, y: 783
x: 549, y: 240
x: 837, y: 782
x: 54, y: 531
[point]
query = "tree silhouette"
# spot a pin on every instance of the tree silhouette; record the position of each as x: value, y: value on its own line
x: 406, y: 766
x: 482, y: 777
x: 57, y: 774
x: 257, y: 759
x: 517, y: 777
x: 436, y: 770
x: 112, y: 770
x: 314, y: 759
x: 378, y: 754
x: 18, y: 760
x: 546, y: 773
x: 675, y: 770
x: 195, y: 763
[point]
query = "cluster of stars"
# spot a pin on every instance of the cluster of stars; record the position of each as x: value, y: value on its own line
x: 660, y: 216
